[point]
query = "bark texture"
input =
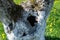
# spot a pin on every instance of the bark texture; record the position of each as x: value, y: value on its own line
x: 26, y: 21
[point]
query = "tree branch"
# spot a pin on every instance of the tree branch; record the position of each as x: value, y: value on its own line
x: 25, y: 21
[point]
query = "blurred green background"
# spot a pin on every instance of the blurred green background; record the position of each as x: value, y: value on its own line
x: 53, y: 23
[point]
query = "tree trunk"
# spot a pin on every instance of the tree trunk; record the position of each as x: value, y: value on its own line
x: 26, y: 21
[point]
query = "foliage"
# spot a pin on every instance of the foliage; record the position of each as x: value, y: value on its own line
x: 53, y: 22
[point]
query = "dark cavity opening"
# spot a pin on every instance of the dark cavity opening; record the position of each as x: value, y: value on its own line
x: 24, y: 34
x: 32, y: 20
x: 11, y: 26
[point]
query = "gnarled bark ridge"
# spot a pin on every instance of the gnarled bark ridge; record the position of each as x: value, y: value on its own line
x: 26, y: 21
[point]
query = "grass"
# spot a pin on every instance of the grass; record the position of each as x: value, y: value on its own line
x: 2, y: 34
x: 53, y: 23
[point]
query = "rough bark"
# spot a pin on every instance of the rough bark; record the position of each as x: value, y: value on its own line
x: 26, y: 21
